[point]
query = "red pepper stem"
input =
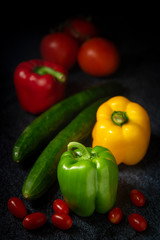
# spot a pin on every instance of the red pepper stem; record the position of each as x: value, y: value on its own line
x: 81, y: 147
x: 119, y: 118
x: 41, y: 70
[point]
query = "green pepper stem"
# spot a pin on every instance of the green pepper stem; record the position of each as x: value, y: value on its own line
x: 81, y: 147
x: 119, y: 117
x: 41, y: 70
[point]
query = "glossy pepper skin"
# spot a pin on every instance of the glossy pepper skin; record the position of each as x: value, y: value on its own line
x: 88, y: 179
x: 124, y: 128
x: 39, y: 84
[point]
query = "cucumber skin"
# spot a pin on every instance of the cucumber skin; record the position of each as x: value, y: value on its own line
x: 44, y: 171
x: 39, y: 133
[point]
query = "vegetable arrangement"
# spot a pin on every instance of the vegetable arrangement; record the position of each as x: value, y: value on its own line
x: 87, y: 177
x: 35, y: 220
x: 44, y: 171
x: 57, y: 117
x: 80, y: 42
x: 61, y: 218
x: 41, y: 83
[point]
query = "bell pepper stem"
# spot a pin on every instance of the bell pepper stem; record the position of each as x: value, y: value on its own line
x: 81, y: 147
x: 119, y: 117
x: 41, y: 70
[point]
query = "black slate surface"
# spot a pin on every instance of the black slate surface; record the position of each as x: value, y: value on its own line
x: 139, y: 73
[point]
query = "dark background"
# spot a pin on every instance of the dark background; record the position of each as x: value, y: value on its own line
x: 139, y: 72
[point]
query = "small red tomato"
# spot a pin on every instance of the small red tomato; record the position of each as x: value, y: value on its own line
x: 137, y: 222
x: 98, y: 57
x: 81, y: 29
x: 34, y: 220
x: 59, y: 48
x: 115, y: 215
x: 17, y: 207
x: 60, y: 206
x: 137, y: 198
x: 62, y: 221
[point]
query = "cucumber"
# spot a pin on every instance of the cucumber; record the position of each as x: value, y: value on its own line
x: 38, y: 134
x: 44, y: 171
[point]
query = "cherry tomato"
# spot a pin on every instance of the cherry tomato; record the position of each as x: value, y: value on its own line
x: 98, y: 57
x: 137, y: 198
x: 115, y: 215
x: 60, y: 206
x: 59, y: 48
x: 17, y: 207
x: 137, y: 222
x: 34, y: 220
x: 81, y: 29
x: 62, y: 221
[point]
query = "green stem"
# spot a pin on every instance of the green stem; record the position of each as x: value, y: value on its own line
x: 81, y: 147
x: 41, y: 70
x: 119, y: 117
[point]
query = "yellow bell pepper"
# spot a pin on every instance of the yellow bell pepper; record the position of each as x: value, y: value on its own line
x: 124, y: 128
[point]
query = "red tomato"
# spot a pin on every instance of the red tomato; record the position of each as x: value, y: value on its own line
x: 137, y: 222
x: 137, y: 198
x: 62, y: 221
x: 115, y: 215
x: 81, y: 29
x: 17, y: 207
x: 98, y: 57
x: 59, y: 48
x: 60, y: 206
x: 34, y: 220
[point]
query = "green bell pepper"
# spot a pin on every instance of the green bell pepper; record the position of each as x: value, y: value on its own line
x: 88, y: 179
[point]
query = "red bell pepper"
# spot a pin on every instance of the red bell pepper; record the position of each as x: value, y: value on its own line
x: 39, y: 84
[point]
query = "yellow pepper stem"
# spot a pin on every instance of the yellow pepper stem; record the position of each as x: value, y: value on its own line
x: 119, y: 118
